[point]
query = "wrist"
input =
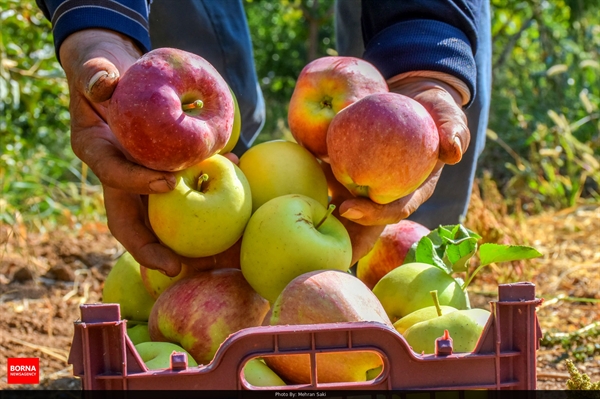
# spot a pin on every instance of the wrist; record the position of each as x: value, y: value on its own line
x: 410, y: 83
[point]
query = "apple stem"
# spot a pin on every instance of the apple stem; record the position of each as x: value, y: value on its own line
x: 201, y: 179
x: 330, y: 209
x: 194, y: 105
x: 436, y: 302
x: 326, y: 102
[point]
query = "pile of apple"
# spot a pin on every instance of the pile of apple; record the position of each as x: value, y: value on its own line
x: 280, y: 255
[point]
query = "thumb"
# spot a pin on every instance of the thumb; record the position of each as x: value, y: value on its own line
x: 98, y: 79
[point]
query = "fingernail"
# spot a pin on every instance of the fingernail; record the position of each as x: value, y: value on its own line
x: 95, y: 79
x: 160, y: 186
x: 458, y: 143
x: 163, y: 272
x: 352, y: 214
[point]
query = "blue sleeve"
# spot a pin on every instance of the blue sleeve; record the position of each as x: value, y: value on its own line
x: 128, y: 17
x: 413, y: 35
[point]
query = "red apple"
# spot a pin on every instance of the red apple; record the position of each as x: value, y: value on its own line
x: 389, y: 250
x: 324, y: 87
x: 171, y: 110
x: 199, y: 312
x: 326, y: 296
x: 383, y: 146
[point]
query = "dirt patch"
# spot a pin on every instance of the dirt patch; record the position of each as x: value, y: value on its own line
x: 45, y: 277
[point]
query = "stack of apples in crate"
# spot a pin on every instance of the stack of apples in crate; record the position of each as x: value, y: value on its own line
x: 279, y: 255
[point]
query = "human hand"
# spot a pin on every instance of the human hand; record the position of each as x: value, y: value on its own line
x: 93, y: 61
x: 442, y: 102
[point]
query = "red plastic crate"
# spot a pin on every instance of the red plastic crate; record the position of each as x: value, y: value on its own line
x: 505, y: 357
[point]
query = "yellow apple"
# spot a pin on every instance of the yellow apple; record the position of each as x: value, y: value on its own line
x: 124, y: 286
x: 237, y: 126
x: 207, y: 211
x: 420, y: 315
x: 279, y: 167
x: 464, y: 326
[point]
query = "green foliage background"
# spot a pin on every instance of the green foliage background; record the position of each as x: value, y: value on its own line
x: 543, y: 144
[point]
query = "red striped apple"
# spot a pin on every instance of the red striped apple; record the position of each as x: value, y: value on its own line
x: 324, y: 87
x: 201, y: 311
x: 383, y: 146
x: 389, y: 250
x: 171, y: 110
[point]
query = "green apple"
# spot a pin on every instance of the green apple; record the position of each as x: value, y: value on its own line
x: 406, y: 289
x: 124, y: 286
x: 156, y: 282
x: 157, y: 355
x: 279, y: 167
x: 288, y: 236
x: 138, y: 333
x: 374, y: 373
x: 237, y: 126
x: 257, y: 373
x: 464, y: 326
x: 207, y: 211
x: 420, y: 315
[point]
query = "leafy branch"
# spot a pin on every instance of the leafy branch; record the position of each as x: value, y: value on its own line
x: 451, y: 248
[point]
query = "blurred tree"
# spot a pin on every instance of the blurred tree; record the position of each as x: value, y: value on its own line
x: 286, y: 35
x: 40, y: 177
x: 545, y: 99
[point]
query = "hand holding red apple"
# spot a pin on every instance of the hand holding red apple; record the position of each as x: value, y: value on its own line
x: 93, y: 61
x: 442, y: 103
x: 171, y: 110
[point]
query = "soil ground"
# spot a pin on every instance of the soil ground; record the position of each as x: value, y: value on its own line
x: 45, y: 277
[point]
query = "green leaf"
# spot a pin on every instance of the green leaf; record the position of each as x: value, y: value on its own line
x: 460, y: 254
x: 493, y: 253
x: 426, y: 252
